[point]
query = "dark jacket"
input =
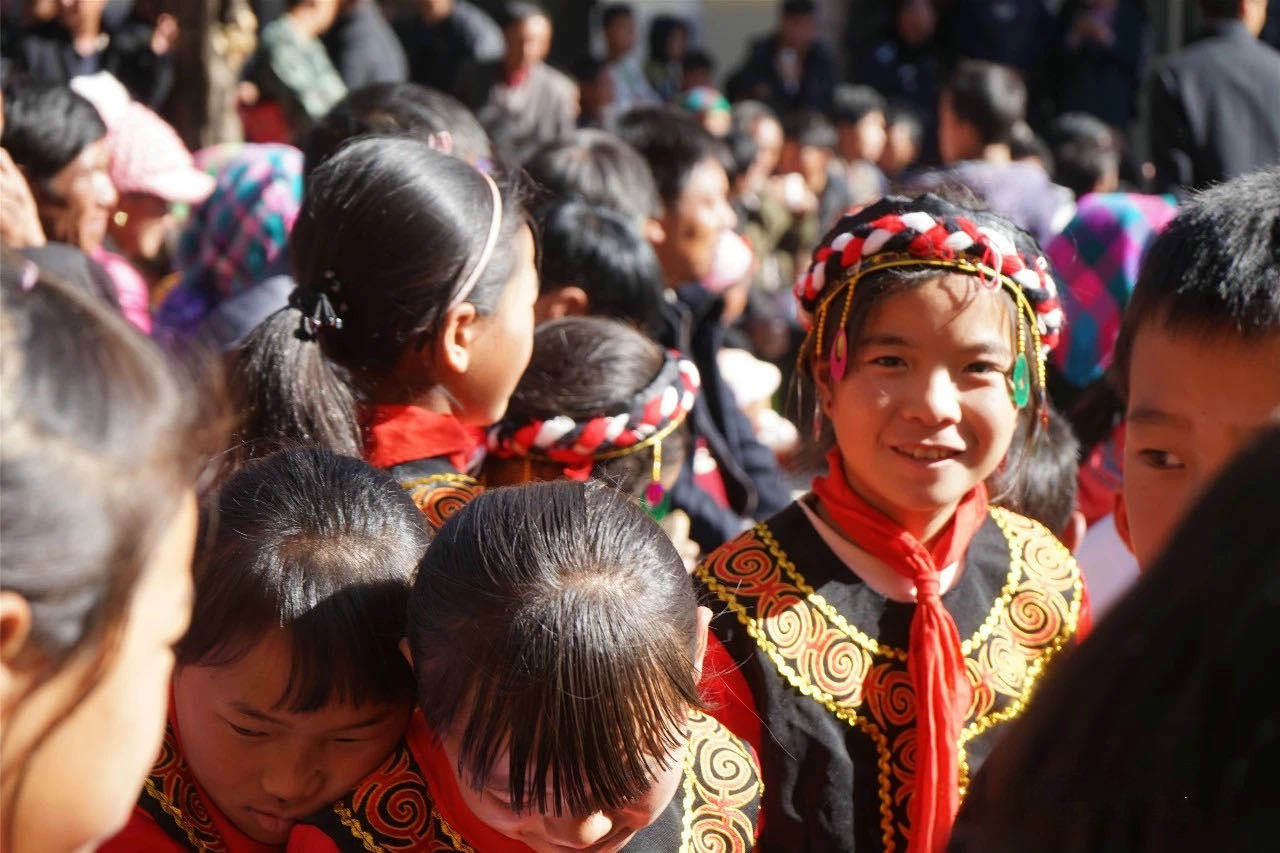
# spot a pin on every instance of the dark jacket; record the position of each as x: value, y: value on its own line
x: 438, y: 52
x: 365, y: 49
x: 749, y: 469
x: 758, y: 78
x: 1215, y: 109
x: 47, y: 54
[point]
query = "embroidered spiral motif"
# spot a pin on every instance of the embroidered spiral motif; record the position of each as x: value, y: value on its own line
x: 724, y: 781
x: 394, y: 804
x: 172, y: 798
x: 981, y: 696
x: 889, y: 696
x: 439, y: 502
x: 745, y: 565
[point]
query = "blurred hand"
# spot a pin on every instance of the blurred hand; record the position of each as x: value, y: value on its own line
x: 165, y: 35
x: 19, y: 221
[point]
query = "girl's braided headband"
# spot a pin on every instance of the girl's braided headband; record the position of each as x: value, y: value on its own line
x: 918, y: 239
x: 653, y: 414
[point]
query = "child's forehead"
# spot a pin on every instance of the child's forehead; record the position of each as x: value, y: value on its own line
x: 947, y: 303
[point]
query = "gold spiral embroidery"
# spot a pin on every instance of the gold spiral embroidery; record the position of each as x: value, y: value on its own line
x: 721, y: 781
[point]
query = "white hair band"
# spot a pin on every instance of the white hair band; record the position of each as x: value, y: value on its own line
x: 489, y: 243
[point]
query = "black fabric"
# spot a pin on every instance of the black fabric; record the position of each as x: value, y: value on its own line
x: 419, y: 468
x: 758, y: 78
x: 1215, y: 109
x: 749, y: 470
x: 364, y: 48
x: 812, y: 760
x: 438, y: 52
x: 46, y: 54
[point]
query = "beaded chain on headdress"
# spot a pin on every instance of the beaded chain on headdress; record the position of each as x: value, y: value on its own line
x: 652, y: 415
x: 920, y: 239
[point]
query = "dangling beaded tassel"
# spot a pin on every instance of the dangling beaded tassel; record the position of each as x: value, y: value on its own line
x: 654, y: 493
x: 840, y: 346
x: 1020, y: 380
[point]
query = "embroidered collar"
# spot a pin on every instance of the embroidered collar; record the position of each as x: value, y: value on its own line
x: 398, y: 434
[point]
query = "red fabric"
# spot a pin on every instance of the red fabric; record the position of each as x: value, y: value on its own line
x: 934, y: 661
x: 727, y: 695
x: 309, y: 839
x: 398, y: 434
x: 142, y: 835
x: 445, y: 794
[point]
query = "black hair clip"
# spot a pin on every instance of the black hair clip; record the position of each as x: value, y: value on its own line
x: 317, y: 312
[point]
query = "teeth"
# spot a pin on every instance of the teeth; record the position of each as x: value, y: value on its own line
x: 929, y: 454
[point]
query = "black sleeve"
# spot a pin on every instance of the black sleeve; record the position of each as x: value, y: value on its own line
x: 1170, y: 134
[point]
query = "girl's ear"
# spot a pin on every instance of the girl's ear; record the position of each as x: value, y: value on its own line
x: 457, y: 336
x: 15, y: 629
x: 704, y: 625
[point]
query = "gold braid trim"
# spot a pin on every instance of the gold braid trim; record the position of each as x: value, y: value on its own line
x: 458, y: 843
x: 352, y: 823
x: 418, y: 482
x: 178, y: 817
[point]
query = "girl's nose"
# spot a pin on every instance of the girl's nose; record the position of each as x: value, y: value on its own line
x: 578, y: 831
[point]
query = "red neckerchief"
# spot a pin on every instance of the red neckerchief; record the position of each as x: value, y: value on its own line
x: 398, y: 434
x: 934, y: 660
x: 443, y: 787
x: 516, y: 79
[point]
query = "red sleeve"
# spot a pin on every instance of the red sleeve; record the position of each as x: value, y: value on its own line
x: 141, y: 835
x: 1084, y: 620
x: 727, y: 694
x: 304, y: 838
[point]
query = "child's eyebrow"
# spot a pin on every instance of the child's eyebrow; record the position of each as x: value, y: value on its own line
x: 1152, y: 416
x: 885, y: 340
x: 250, y: 711
x: 365, y: 723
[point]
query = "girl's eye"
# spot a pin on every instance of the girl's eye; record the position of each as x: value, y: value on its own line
x: 349, y: 740
x: 983, y: 367
x: 243, y: 732
x: 887, y: 361
x: 1161, y: 460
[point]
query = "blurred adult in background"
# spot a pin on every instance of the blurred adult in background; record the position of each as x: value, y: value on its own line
x: 789, y: 68
x: 521, y: 101
x: 623, y: 62
x: 73, y: 42
x: 1101, y: 58
x: 442, y: 37
x: 1215, y: 112
x: 905, y: 66
x: 291, y: 82
x: 1086, y: 154
x: 861, y: 135
x: 668, y: 43
x: 363, y: 47
x: 978, y: 112
x: 152, y: 172
x: 58, y: 141
x: 904, y: 140
x: 597, y: 93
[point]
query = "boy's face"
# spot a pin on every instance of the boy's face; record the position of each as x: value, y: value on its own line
x: 1194, y: 401
x: 694, y: 224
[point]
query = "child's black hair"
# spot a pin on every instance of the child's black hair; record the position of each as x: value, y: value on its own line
x: 590, y: 367
x: 555, y: 622
x: 1085, y: 150
x: 698, y: 60
x: 387, y: 230
x: 1026, y: 144
x: 598, y: 167
x: 322, y: 548
x: 1213, y: 271
x: 1173, y: 693
x: 614, y: 11
x: 46, y: 126
x: 598, y: 250
x: 988, y: 96
x: 1038, y: 479
x: 661, y: 29
x: 811, y: 129
x: 851, y: 104
x: 394, y: 109
x: 672, y: 143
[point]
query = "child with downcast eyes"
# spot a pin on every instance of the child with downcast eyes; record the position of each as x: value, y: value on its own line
x: 558, y: 645
x: 886, y: 624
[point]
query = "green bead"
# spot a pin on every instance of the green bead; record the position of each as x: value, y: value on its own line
x: 1020, y: 383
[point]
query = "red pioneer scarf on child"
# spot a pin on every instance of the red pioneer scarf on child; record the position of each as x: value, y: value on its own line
x: 934, y: 660
x: 398, y: 434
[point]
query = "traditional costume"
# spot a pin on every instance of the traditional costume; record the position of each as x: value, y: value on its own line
x: 412, y: 804
x: 871, y: 710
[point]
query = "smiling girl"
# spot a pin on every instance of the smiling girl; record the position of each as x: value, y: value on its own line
x: 888, y: 622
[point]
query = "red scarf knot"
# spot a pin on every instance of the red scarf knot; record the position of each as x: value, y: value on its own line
x: 935, y: 662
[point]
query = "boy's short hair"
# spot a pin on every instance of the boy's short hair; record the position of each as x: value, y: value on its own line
x: 1039, y: 476
x: 597, y: 249
x: 798, y: 8
x: 988, y: 96
x: 597, y: 167
x: 614, y: 11
x: 1084, y: 150
x: 394, y: 109
x: 810, y: 129
x: 850, y: 104
x: 672, y: 142
x: 1215, y: 269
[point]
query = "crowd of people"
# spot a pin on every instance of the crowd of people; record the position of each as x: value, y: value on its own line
x: 875, y: 452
